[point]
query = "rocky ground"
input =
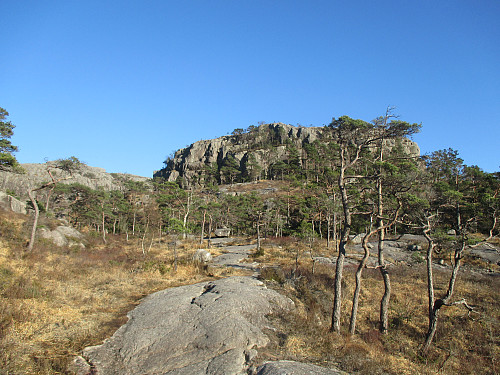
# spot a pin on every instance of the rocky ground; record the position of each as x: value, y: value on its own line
x: 206, y: 328
x: 218, y: 327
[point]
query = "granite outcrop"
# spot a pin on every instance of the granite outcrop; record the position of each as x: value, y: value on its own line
x: 206, y: 328
x: 252, y: 153
x: 36, y: 174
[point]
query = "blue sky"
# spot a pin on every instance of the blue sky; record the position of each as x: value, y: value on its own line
x: 122, y: 84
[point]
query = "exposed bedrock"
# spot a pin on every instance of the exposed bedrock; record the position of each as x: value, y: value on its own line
x: 205, y: 328
x: 252, y: 153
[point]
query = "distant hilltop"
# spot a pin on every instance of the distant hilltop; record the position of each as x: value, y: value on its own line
x: 36, y: 174
x: 266, y: 151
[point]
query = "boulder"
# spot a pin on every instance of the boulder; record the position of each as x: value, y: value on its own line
x: 202, y: 256
x: 357, y: 239
x: 222, y: 232
x: 414, y: 247
x: 69, y: 232
x: 53, y: 235
x: 451, y: 232
x: 295, y: 368
x: 205, y: 328
x: 9, y: 203
x: 62, y: 236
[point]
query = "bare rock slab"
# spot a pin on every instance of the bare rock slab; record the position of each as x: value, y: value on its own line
x: 295, y: 368
x: 204, y: 328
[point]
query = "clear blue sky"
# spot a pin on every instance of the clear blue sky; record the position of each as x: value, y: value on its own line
x: 122, y: 84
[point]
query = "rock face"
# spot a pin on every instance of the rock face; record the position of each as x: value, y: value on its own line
x: 206, y: 328
x: 36, y: 174
x: 253, y: 153
x: 9, y: 203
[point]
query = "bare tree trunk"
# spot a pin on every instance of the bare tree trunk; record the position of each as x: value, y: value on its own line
x: 35, y: 221
x: 336, y: 227
x: 203, y: 227
x: 144, y: 237
x: 103, y: 222
x: 152, y: 239
x: 435, y: 305
x: 384, y: 302
x: 357, y: 290
x: 328, y: 230
x: 344, y: 236
x: 258, y: 234
x: 186, y: 215
x: 175, y: 255
x: 319, y: 225
x: 35, y: 205
x: 48, y: 197
x: 294, y: 273
x: 209, y: 231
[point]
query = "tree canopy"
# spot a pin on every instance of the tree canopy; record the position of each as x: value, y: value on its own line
x: 6, y: 147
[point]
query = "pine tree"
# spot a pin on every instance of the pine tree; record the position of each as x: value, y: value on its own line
x: 6, y: 147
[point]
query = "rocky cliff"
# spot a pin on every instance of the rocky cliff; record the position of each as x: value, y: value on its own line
x: 36, y: 174
x: 253, y: 154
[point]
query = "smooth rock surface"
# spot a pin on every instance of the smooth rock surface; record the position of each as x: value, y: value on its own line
x: 9, y: 203
x: 205, y: 328
x: 295, y: 368
x: 222, y: 232
x: 36, y: 174
x: 357, y: 239
x: 62, y: 236
x: 233, y: 255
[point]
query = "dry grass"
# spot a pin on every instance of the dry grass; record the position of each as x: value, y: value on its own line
x: 464, y: 344
x: 55, y: 301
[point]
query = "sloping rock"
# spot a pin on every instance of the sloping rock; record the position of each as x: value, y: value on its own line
x: 487, y: 252
x: 295, y: 368
x: 36, y: 175
x: 357, y: 239
x: 413, y: 237
x: 62, y: 236
x: 9, y: 203
x: 52, y: 235
x: 69, y: 232
x: 205, y: 328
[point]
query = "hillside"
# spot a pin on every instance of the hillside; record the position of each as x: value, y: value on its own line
x: 319, y: 205
x: 265, y: 152
x: 36, y: 174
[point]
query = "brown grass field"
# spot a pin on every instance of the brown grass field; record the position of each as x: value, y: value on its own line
x: 57, y: 300
x: 465, y: 343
